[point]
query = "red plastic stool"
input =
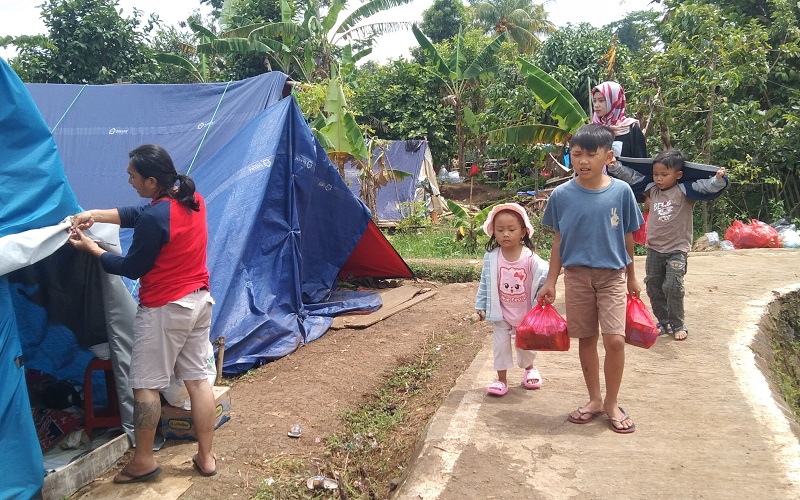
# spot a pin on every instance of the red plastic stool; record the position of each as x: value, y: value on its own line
x: 105, y: 417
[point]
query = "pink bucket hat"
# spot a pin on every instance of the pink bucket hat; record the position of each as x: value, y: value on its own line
x: 488, y: 226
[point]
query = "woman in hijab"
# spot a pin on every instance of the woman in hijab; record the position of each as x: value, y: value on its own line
x: 608, y: 100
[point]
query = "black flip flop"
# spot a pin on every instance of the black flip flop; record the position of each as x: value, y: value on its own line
x: 201, y: 471
x: 137, y: 479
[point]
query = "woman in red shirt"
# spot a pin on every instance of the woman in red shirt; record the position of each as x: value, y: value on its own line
x: 171, y: 329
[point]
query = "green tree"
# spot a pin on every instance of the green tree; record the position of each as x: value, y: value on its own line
x: 724, y: 90
x: 442, y: 20
x: 325, y: 33
x: 457, y: 76
x: 400, y: 100
x: 89, y: 41
x: 637, y: 30
x: 206, y: 61
x: 522, y: 21
x: 573, y: 55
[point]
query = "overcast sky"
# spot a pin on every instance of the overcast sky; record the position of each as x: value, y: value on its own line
x: 22, y: 17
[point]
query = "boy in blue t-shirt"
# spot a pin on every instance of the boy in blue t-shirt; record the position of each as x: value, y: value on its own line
x: 593, y: 217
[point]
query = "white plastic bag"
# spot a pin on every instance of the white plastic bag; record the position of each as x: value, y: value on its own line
x: 789, y: 238
x: 177, y: 395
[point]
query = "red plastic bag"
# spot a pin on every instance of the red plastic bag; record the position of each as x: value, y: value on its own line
x: 543, y: 329
x: 640, y: 235
x: 640, y: 330
x: 754, y: 235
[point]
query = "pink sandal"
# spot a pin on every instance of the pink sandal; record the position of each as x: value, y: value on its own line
x: 530, y: 376
x: 497, y: 389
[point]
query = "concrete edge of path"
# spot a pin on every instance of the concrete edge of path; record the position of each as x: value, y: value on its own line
x: 755, y: 387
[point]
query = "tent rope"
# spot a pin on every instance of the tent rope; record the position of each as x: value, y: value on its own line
x: 208, y: 127
x: 68, y: 108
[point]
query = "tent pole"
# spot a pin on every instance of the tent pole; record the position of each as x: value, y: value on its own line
x: 220, y: 357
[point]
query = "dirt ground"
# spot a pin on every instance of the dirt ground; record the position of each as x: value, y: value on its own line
x: 481, y: 193
x: 313, y: 386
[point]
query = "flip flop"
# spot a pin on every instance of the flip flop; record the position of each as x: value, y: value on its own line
x: 497, y: 389
x: 132, y: 478
x: 532, y: 374
x: 580, y: 420
x: 201, y: 471
x: 619, y: 421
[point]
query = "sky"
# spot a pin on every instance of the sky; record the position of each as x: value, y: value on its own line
x: 22, y: 17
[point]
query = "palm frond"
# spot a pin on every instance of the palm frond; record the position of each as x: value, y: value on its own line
x: 371, y: 7
x: 442, y: 69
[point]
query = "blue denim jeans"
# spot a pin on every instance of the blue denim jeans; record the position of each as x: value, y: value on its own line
x: 663, y: 280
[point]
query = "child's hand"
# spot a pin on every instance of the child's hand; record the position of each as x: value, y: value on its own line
x: 478, y: 315
x: 720, y: 172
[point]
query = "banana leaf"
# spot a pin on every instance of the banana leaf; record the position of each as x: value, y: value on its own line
x: 553, y: 96
x: 443, y: 70
x: 485, y: 61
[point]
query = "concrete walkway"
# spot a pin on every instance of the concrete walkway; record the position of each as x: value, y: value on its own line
x: 708, y: 423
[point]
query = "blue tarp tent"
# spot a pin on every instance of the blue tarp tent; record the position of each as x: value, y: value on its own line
x: 279, y: 234
x: 33, y: 193
x: 412, y: 157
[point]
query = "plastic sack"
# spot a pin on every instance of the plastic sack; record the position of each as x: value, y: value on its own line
x: 640, y: 235
x: 789, y: 238
x: 640, y: 330
x: 543, y: 329
x: 754, y: 235
x: 176, y: 393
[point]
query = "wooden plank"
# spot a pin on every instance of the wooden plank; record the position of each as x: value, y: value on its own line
x: 383, y: 313
x: 391, y: 297
x: 84, y: 470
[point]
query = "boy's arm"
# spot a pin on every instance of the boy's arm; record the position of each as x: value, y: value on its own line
x: 626, y: 174
x: 633, y: 285
x: 713, y: 185
x: 547, y: 293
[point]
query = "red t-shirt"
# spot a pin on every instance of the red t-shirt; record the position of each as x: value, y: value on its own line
x: 168, y: 250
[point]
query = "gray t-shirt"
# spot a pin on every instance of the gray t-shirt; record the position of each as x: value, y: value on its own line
x: 669, y: 225
x: 593, y: 223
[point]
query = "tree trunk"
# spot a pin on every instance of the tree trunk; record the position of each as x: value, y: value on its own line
x: 707, y: 138
x: 369, y: 194
x: 460, y: 138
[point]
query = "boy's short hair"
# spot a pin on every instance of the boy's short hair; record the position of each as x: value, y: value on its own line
x: 671, y: 158
x: 592, y: 137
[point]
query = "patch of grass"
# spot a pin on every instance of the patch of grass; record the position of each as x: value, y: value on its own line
x: 445, y: 272
x: 286, y: 480
x: 785, y: 342
x: 376, y: 438
x: 435, y: 242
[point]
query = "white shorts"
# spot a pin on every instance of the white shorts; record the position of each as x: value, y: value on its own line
x: 171, y: 338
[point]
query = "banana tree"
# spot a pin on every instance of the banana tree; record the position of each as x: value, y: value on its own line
x: 563, y: 107
x: 211, y: 48
x: 456, y: 76
x: 468, y: 227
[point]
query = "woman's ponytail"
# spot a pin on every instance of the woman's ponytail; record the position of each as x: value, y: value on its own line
x: 185, y: 192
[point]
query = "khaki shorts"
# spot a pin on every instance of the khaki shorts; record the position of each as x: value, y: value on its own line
x: 595, y: 298
x: 171, y: 338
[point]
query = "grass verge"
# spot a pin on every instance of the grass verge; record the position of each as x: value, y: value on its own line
x: 370, y: 451
x: 785, y: 341
x: 445, y: 271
